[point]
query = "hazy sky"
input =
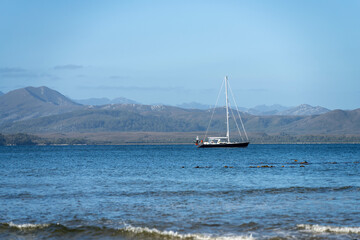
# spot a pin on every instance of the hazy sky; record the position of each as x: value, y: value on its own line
x: 286, y: 52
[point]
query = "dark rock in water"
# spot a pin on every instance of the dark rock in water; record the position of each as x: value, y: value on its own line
x: 263, y: 166
x: 197, y: 167
x: 304, y: 162
x: 302, y: 166
x: 182, y: 167
x: 267, y: 166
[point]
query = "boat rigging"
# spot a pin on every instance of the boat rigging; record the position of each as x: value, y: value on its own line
x: 224, y: 142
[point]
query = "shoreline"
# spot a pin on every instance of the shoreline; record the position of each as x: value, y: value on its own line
x: 183, y: 144
x: 160, y: 138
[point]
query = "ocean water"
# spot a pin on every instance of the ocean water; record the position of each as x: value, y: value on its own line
x: 180, y: 192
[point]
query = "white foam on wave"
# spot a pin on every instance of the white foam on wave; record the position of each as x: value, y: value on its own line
x: 28, y: 225
x: 250, y: 237
x: 177, y: 235
x: 331, y: 229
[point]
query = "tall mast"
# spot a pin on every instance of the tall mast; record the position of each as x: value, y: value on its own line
x: 227, y: 109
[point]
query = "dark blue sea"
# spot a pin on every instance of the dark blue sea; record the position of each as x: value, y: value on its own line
x: 180, y: 192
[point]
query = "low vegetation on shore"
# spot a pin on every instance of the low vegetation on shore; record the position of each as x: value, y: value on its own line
x: 29, y: 139
x: 134, y: 138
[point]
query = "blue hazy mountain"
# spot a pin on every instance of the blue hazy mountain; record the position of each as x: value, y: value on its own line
x: 304, y: 110
x: 277, y: 109
x: 267, y: 109
x: 194, y: 105
x: 104, y: 101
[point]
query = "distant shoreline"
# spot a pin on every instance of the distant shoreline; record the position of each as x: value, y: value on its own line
x: 183, y: 144
x: 160, y: 138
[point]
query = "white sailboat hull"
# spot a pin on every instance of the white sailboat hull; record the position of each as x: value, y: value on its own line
x: 224, y: 145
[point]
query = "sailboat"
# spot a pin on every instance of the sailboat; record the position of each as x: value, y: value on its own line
x: 224, y: 142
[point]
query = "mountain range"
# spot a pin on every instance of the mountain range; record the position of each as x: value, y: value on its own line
x: 194, y: 105
x: 104, y: 101
x: 43, y: 110
x: 303, y: 109
x: 265, y: 110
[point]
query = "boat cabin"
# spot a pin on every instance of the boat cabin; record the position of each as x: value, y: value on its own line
x: 218, y: 140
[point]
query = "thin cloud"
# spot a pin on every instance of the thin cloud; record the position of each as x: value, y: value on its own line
x: 12, y: 70
x: 68, y: 67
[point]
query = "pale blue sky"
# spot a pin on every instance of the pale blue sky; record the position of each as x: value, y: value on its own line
x: 286, y: 52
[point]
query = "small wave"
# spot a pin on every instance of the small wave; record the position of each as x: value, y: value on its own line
x: 51, y: 230
x: 176, y: 235
x: 330, y: 229
x: 145, y: 230
x: 28, y: 226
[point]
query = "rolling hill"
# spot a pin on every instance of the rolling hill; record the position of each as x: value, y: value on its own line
x: 145, y: 118
x: 31, y: 102
x: 42, y: 110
